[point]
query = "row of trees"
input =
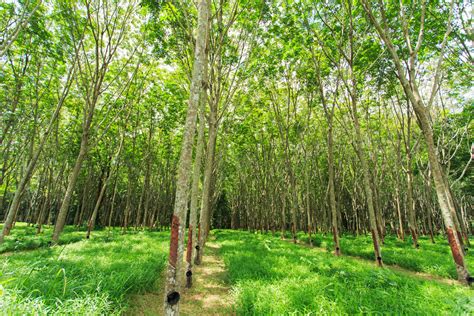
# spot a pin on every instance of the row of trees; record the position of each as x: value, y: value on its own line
x: 345, y: 123
x: 86, y: 109
x: 348, y: 117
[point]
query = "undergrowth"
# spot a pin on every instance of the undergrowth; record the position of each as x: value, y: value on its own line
x: 90, y: 277
x: 428, y: 258
x: 23, y: 237
x: 274, y: 277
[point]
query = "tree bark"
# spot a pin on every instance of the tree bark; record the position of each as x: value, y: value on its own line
x: 34, y: 159
x: 204, y: 218
x: 173, y: 279
x: 410, y: 87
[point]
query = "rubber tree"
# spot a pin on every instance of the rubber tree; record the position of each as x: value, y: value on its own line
x: 12, y: 210
x: 406, y: 71
x: 222, y: 83
x: 192, y: 247
x: 175, y: 263
x: 105, y: 33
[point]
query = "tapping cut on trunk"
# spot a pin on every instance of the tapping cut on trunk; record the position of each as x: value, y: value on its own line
x: 463, y: 275
x: 174, y: 242
x: 189, y: 248
x: 454, y: 247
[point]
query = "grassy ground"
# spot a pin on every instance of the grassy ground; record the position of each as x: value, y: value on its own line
x: 89, y: 277
x: 265, y: 275
x: 274, y: 277
x: 24, y: 237
x: 429, y: 258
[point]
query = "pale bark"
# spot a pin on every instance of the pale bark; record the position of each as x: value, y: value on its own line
x: 192, y: 247
x: 35, y: 156
x: 360, y: 149
x: 410, y: 87
x: 173, y: 279
x: 204, y: 218
x: 62, y: 215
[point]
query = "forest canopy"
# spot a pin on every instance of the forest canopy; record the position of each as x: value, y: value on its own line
x: 337, y: 117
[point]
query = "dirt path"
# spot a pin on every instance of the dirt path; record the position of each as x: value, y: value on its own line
x: 210, y: 295
x: 414, y: 274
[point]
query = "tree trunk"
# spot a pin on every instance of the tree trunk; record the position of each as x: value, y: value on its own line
x: 332, y: 195
x: 63, y: 211
x: 192, y: 250
x: 173, y: 279
x: 204, y: 219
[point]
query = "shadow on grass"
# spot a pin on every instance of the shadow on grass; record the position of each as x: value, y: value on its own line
x: 272, y: 277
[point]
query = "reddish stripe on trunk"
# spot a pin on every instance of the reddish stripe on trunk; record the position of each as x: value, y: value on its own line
x: 174, y: 241
x: 334, y: 235
x: 189, y: 249
x: 460, y: 238
x: 455, y: 248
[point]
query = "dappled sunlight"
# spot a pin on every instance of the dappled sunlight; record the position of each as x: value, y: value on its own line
x: 271, y: 276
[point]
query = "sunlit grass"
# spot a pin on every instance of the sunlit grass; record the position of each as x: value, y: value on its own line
x: 268, y: 276
x: 23, y: 237
x: 274, y: 277
x: 429, y: 258
x: 89, y: 277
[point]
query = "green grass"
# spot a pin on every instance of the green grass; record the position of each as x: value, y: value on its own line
x: 268, y: 276
x: 89, y: 277
x: 23, y: 237
x: 429, y: 258
x: 274, y: 277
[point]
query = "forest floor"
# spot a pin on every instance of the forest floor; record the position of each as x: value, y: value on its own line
x: 243, y: 273
x: 210, y: 294
x: 394, y: 267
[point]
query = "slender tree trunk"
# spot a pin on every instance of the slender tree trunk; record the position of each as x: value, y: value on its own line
x: 63, y: 211
x: 173, y: 279
x: 193, y: 248
x: 308, y: 208
x: 283, y: 213
x: 204, y: 219
x: 34, y: 159
x: 112, y: 203
x: 410, y: 204
x: 146, y: 183
x: 401, y: 231
x: 361, y: 153
x: 332, y: 195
